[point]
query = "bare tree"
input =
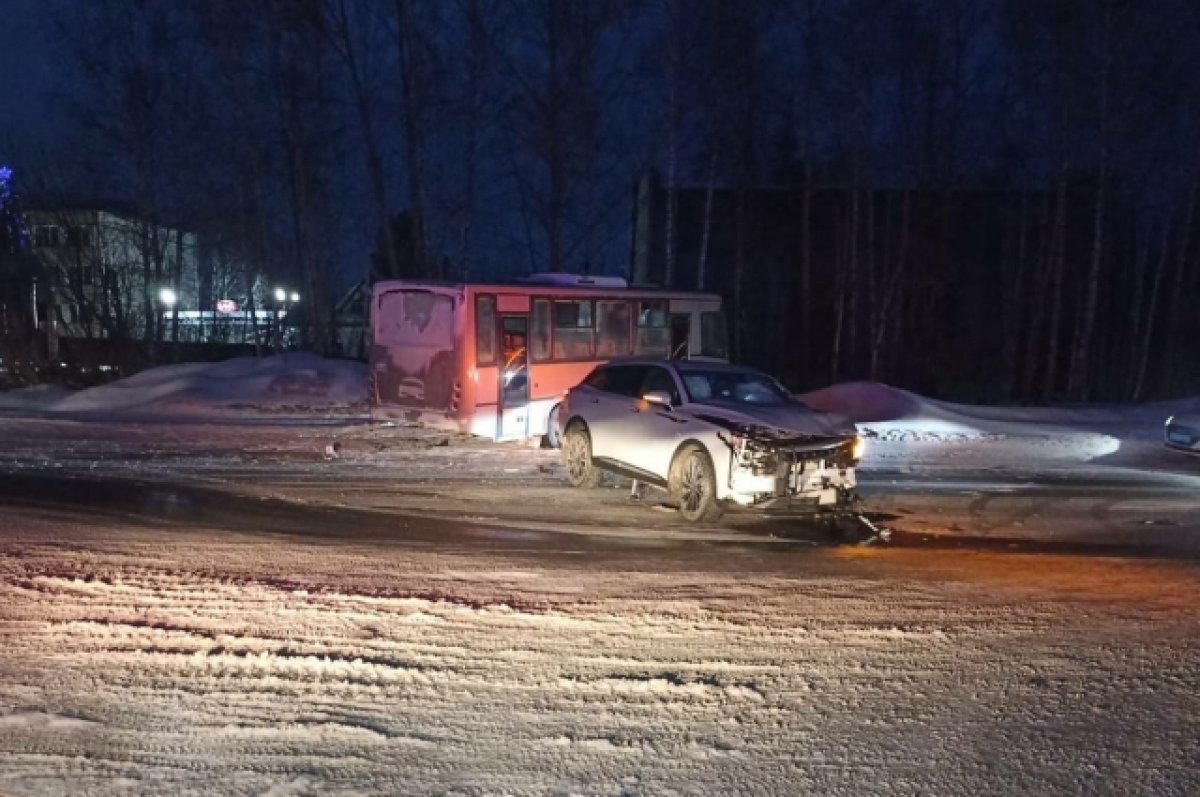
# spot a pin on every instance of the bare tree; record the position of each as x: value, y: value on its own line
x: 352, y: 28
x: 565, y: 62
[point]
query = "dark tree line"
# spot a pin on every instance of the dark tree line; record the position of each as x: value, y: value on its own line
x: 990, y: 198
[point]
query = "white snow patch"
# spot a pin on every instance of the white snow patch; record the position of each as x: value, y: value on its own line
x: 32, y: 398
x: 293, y: 380
x: 40, y: 721
x: 899, y: 424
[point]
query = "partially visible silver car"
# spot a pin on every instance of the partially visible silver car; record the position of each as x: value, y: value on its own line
x: 711, y: 435
x: 1182, y: 433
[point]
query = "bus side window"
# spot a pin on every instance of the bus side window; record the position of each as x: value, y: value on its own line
x: 653, y: 337
x: 612, y: 328
x: 485, y: 330
x: 714, y: 341
x: 574, y: 330
x: 539, y: 338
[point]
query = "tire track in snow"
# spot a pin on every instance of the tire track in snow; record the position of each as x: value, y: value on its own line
x: 252, y: 669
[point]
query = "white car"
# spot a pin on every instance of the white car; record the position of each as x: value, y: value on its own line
x: 1182, y: 433
x: 711, y: 435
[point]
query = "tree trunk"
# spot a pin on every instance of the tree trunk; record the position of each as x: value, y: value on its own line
x: 1014, y: 316
x: 179, y: 289
x: 1036, y: 331
x: 476, y: 44
x: 672, y: 140
x: 1141, y: 276
x: 806, y: 256
x: 1180, y: 301
x: 706, y: 229
x: 413, y: 139
x: 1078, y: 384
x: 1057, y: 266
x: 366, y: 121
x: 1147, y: 333
x: 888, y: 305
x: 853, y: 277
x: 147, y: 284
x: 739, y: 273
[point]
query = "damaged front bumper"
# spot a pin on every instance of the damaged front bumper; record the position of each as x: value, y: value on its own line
x: 805, y: 475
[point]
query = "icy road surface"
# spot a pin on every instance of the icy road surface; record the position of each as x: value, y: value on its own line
x: 317, y: 607
x: 145, y: 654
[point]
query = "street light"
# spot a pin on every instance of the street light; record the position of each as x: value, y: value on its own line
x: 167, y: 297
x: 282, y: 298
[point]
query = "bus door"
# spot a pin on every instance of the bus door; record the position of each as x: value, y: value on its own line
x: 514, y: 377
x: 681, y: 332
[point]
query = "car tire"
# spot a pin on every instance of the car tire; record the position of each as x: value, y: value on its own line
x: 553, y: 438
x: 577, y: 458
x: 693, y: 485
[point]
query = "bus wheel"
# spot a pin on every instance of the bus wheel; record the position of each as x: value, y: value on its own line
x: 553, y: 438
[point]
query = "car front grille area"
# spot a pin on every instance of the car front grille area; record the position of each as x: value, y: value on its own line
x: 1182, y: 435
x: 780, y: 462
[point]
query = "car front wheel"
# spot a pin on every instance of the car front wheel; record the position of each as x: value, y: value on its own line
x: 693, y: 484
x: 577, y: 457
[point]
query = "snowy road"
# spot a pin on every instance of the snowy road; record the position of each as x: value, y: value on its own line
x: 150, y: 657
x: 236, y: 610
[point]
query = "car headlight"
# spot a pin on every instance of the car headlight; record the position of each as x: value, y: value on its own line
x: 1169, y: 421
x: 858, y: 449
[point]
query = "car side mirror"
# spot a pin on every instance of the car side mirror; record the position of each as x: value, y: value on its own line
x: 659, y: 397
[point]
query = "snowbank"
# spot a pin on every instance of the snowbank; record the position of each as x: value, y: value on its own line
x: 294, y: 381
x: 1014, y: 435
x: 36, y: 397
x: 872, y: 403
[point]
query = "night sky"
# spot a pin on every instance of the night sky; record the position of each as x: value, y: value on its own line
x: 31, y: 76
x: 893, y: 170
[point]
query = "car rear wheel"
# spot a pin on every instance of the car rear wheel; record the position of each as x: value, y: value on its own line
x: 577, y: 457
x: 693, y: 484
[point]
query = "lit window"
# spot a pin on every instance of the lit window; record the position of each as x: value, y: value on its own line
x: 485, y: 330
x: 653, y: 336
x: 574, y: 334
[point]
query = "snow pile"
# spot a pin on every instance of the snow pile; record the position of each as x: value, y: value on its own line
x: 293, y: 381
x: 35, y: 397
x: 1077, y: 433
x: 866, y: 401
x: 889, y: 413
x: 882, y: 407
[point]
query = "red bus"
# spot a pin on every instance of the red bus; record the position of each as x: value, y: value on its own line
x: 495, y: 360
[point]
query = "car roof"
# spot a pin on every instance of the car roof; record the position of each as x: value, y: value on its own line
x: 683, y: 366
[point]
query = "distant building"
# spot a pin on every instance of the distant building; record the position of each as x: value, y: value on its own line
x: 115, y: 275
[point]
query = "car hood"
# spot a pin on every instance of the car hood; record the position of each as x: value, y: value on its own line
x: 774, y: 422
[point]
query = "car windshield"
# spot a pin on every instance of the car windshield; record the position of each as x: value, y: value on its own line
x: 742, y: 387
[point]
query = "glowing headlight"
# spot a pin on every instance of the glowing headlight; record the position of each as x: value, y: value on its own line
x: 1170, y: 421
x: 858, y: 449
